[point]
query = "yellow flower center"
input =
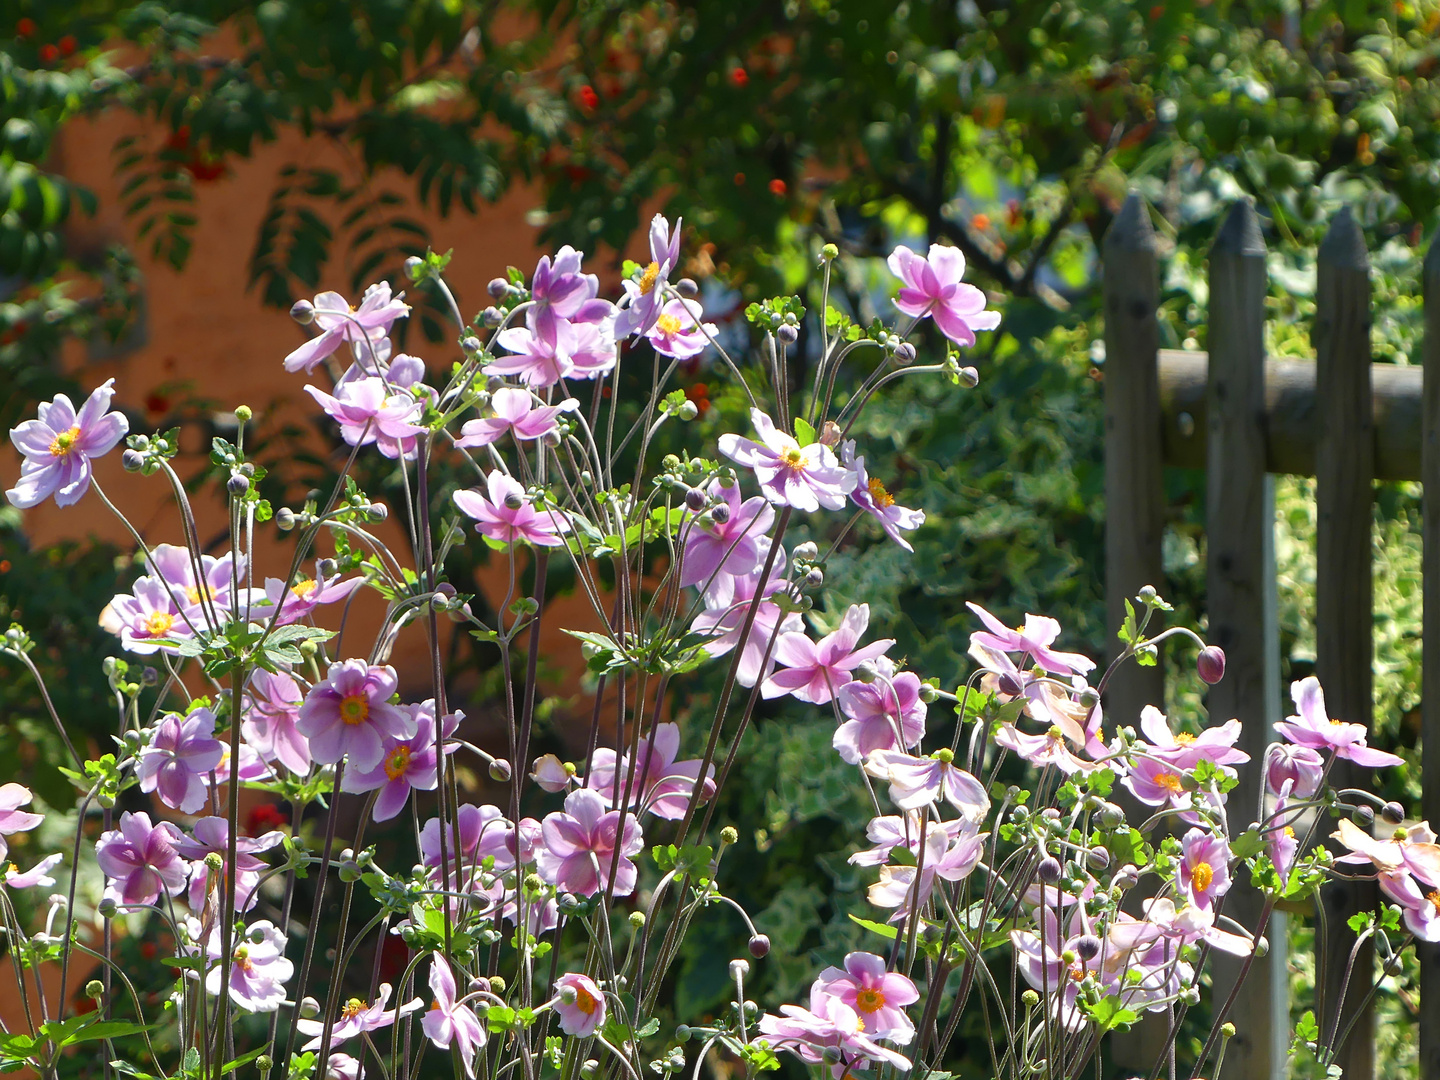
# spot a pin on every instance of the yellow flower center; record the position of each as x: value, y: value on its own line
x: 648, y: 278
x: 1290, y: 831
x: 353, y: 1008
x: 197, y: 592
x: 1434, y: 899
x: 63, y: 443
x: 398, y: 763
x: 794, y: 457
x: 870, y: 999
x: 668, y: 324
x: 1336, y: 723
x: 304, y: 587
x: 1184, y: 738
x: 1077, y: 973
x: 242, y: 959
x: 1170, y: 782
x: 355, y: 709
x: 883, y: 498
x: 1201, y: 875
x: 584, y: 1000
x: 158, y: 623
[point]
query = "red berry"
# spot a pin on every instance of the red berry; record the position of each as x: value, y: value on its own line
x: 49, y: 54
x: 588, y: 97
x: 739, y: 77
x: 777, y: 186
x: 739, y: 179
x: 25, y: 27
x: 67, y: 44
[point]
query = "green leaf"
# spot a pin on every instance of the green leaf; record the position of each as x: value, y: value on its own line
x: 887, y: 932
x: 804, y: 433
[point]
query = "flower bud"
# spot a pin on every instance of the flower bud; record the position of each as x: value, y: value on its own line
x: 1127, y: 877
x: 1363, y: 815
x: 132, y: 460
x: 471, y: 344
x: 285, y: 519
x: 303, y: 312
x: 1211, y: 664
x: 687, y: 288
x: 739, y: 968
x: 413, y: 265
x: 214, y: 861
x: 1262, y: 946
x: 590, y: 1069
x: 500, y: 770
x: 814, y: 578
x: 928, y: 694
x: 1010, y: 685
x: 264, y: 1063
x: 1227, y: 1030
x: 492, y: 316
x: 1087, y: 947
x: 497, y: 288
x: 1030, y: 999
x: 760, y: 946
x: 806, y: 551
x: 243, y: 413
x: 1147, y: 594
x: 514, y: 501
x: 688, y: 411
x: 787, y: 334
x: 309, y: 1007
x: 1097, y: 858
x: 377, y: 512
x: 695, y: 499
x: 729, y: 835
x: 637, y: 920
x: 497, y: 984
x: 831, y: 1055
x: 1393, y: 813
x: 1049, y: 870
x: 720, y: 513
x: 237, y: 485
x: 95, y: 989
x: 829, y: 251
x: 682, y: 1033
x: 904, y: 354
x: 969, y: 378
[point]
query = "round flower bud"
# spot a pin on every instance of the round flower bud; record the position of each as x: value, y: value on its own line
x: 1262, y: 946
x: 829, y: 251
x: 904, y: 354
x: 95, y: 989
x: 237, y: 485
x: 326, y: 567
x: 787, y: 334
x: 1227, y: 1029
x: 1087, y: 947
x: 928, y: 694
x: 1109, y: 816
x: 1097, y: 858
x: 309, y: 1007
x: 497, y: 984
x: 814, y: 578
x: 303, y: 312
x: 1049, y: 870
x: 1050, y: 813
x: 1147, y: 594
x: 446, y: 590
x: 865, y: 672
x: 413, y: 265
x: 687, y: 288
x: 695, y: 499
x: 682, y: 1033
x: 132, y: 460
x: 514, y: 500
x: 264, y: 1063
x: 471, y: 344
x: 806, y: 551
x: 534, y: 883
x: 637, y: 920
x: 1211, y: 664
x: 492, y: 316
x: 831, y: 1055
x: 969, y: 377
x: 688, y: 411
x: 759, y: 946
x: 497, y: 288
x: 1030, y: 999
x: 285, y: 519
x: 243, y: 413
x: 1393, y: 813
x: 214, y: 861
x: 1010, y: 686
x: 729, y: 835
x: 720, y: 513
x: 739, y: 968
x: 377, y: 512
x: 500, y: 770
x: 1363, y: 815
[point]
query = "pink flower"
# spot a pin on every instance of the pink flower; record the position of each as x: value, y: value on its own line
x: 1158, y: 783
x: 553, y: 775
x: 1314, y: 729
x: 1299, y: 766
x: 877, y: 995
x: 408, y: 764
x: 179, y: 758
x: 1411, y: 851
x: 1204, y: 867
x: 805, y: 478
x: 484, y: 833
x: 368, y: 411
x: 300, y: 600
x: 579, y: 844
x: 350, y: 715
x: 677, y: 331
x: 662, y: 784
x: 886, y: 714
x: 1214, y: 744
x: 140, y: 861
x: 815, y: 669
x: 1033, y: 639
x: 175, y: 567
x: 59, y: 445
x: 1280, y: 843
x: 952, y: 850
x: 870, y: 495
x: 271, y: 719
x: 339, y: 322
x: 447, y: 1021
x: 829, y: 1024
x: 1420, y: 909
x: 258, y: 969
x: 546, y: 352
x: 514, y: 410
x: 146, y: 617
x: 560, y: 290
x: 39, y: 874
x: 506, y: 516
x: 357, y: 1017
x: 211, y: 836
x: 717, y: 552
x: 12, y: 818
x: 933, y: 287
x: 1043, y: 750
x: 579, y: 1004
x: 724, y: 623
x: 645, y: 298
x: 1039, y: 960
x: 917, y: 782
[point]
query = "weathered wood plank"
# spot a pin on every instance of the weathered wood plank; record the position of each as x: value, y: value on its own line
x: 1430, y: 680
x: 1344, y: 471
x: 1240, y: 602
x: 1290, y: 420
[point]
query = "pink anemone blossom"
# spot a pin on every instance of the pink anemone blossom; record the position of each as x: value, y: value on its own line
x: 579, y: 1004
x: 147, y: 617
x: 339, y: 323
x: 514, y: 411
x: 878, y: 996
x: 724, y: 624
x: 1313, y: 728
x: 368, y: 412
x: 887, y: 714
x: 39, y: 874
x: 1204, y: 867
x: 813, y: 670
x: 1033, y: 639
x: 717, y: 552
x: 270, y: 724
x: 1299, y: 766
x: 916, y: 782
x: 660, y: 784
x: 542, y: 354
x: 140, y: 861
x: 803, y: 477
x: 932, y: 286
x: 12, y: 818
x: 357, y: 1017
x: 349, y: 715
x: 870, y: 495
x: 300, y: 600
x: 506, y: 516
x: 447, y: 1021
x: 559, y: 290
x: 58, y: 447
x: 827, y: 1025
x: 645, y: 297
x: 259, y: 969
x: 579, y: 845
x: 1419, y: 908
x: 677, y: 331
x: 177, y: 763
x: 407, y: 765
x: 1185, y: 751
x: 211, y: 836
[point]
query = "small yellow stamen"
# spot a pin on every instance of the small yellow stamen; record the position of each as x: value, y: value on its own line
x: 398, y: 763
x: 870, y: 999
x: 883, y: 498
x: 794, y: 457
x: 584, y: 1000
x: 648, y: 278
x: 669, y: 324
x: 304, y: 587
x: 355, y: 709
x: 198, y: 592
x: 1201, y: 875
x: 353, y: 1008
x: 242, y: 958
x: 1184, y: 738
x: 158, y: 623
x: 1290, y: 831
x: 1169, y: 781
x: 1434, y: 899
x: 63, y: 443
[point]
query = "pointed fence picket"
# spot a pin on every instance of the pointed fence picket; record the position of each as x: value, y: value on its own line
x: 1244, y: 418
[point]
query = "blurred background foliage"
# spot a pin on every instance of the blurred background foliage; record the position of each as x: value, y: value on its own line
x: 1009, y: 128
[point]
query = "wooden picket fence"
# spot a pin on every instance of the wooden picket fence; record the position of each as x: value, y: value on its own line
x: 1244, y: 418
